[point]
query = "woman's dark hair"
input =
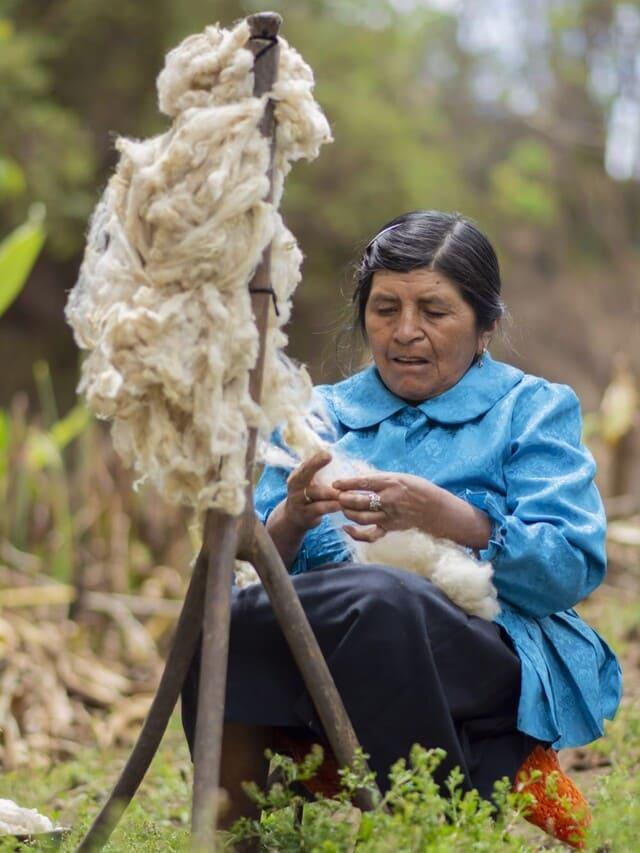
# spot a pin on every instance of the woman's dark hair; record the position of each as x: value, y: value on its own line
x: 445, y: 242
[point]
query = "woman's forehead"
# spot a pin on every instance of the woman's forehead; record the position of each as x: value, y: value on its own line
x: 416, y: 284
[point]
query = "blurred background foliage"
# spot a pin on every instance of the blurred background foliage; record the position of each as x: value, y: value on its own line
x: 519, y: 114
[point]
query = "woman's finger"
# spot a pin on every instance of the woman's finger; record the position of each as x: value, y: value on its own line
x: 321, y: 508
x: 364, y: 534
x: 361, y: 517
x: 304, y: 473
x: 355, y: 500
x: 370, y: 483
x: 316, y: 492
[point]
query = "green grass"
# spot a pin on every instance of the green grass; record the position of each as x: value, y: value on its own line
x: 70, y: 794
x: 158, y: 819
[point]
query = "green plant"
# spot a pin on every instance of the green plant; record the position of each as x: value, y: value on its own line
x: 414, y: 815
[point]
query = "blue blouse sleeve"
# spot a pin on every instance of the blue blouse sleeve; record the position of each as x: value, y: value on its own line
x: 271, y: 488
x: 548, y: 546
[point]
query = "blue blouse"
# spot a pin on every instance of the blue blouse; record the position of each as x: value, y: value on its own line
x: 510, y: 444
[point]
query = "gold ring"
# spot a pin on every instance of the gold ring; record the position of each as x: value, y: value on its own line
x: 307, y: 499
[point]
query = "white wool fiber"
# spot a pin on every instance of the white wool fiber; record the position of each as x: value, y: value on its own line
x: 466, y: 581
x: 162, y: 302
x: 15, y: 820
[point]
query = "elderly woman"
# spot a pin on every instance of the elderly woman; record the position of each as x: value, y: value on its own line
x: 471, y: 450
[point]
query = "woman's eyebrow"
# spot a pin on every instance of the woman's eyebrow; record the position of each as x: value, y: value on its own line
x: 434, y: 300
x: 379, y: 297
x: 430, y: 300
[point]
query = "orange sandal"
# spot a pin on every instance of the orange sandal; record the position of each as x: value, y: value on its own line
x: 560, y: 808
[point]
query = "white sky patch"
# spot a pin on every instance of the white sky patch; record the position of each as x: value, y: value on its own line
x: 452, y: 6
x: 622, y: 156
x: 444, y: 5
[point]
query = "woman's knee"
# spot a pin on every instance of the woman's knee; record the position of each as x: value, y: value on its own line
x: 390, y: 588
x: 377, y: 591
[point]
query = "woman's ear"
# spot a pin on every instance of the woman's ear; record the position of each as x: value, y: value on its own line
x: 485, y: 337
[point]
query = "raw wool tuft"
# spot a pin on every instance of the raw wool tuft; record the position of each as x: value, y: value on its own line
x: 467, y: 582
x: 162, y: 302
x: 15, y: 820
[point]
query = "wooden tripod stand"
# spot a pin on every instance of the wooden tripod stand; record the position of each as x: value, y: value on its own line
x: 206, y: 606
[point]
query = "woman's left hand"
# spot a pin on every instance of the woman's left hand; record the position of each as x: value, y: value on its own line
x: 405, y: 502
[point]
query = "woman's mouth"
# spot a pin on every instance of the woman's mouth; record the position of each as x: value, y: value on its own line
x: 410, y: 362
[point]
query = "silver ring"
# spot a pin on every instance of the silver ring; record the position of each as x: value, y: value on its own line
x: 307, y: 499
x: 375, y: 502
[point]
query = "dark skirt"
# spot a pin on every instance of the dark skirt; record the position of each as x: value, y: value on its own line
x: 410, y: 666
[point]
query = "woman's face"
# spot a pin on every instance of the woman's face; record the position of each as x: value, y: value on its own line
x: 422, y: 333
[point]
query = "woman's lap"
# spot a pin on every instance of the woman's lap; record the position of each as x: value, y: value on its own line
x: 410, y: 666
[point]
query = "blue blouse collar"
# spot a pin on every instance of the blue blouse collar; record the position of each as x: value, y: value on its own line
x: 363, y: 399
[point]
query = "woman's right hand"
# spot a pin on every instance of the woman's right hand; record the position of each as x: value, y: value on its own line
x: 294, y: 515
x: 307, y: 501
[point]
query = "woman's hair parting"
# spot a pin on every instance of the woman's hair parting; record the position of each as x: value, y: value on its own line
x: 445, y: 242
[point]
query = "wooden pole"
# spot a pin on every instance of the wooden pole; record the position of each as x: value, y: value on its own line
x: 223, y: 546
x: 256, y: 545
x: 179, y: 659
x: 208, y: 596
x: 264, y: 556
x: 264, y: 29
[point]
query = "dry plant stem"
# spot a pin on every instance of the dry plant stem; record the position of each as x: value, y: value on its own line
x: 621, y: 506
x: 262, y: 553
x: 622, y: 464
x: 175, y: 671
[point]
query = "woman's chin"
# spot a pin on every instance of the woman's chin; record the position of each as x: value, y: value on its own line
x: 415, y: 389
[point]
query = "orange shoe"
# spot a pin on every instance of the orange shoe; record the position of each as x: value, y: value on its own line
x: 560, y: 808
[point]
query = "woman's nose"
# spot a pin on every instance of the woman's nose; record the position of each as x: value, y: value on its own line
x: 408, y: 328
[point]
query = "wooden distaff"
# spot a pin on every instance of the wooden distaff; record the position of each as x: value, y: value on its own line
x: 207, y: 602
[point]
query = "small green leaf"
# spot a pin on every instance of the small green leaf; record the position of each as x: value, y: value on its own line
x: 68, y: 428
x: 18, y: 253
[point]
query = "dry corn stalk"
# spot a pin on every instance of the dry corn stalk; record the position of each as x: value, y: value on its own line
x: 56, y: 695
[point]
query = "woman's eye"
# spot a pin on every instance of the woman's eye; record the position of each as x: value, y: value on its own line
x: 384, y: 312
x: 435, y: 314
